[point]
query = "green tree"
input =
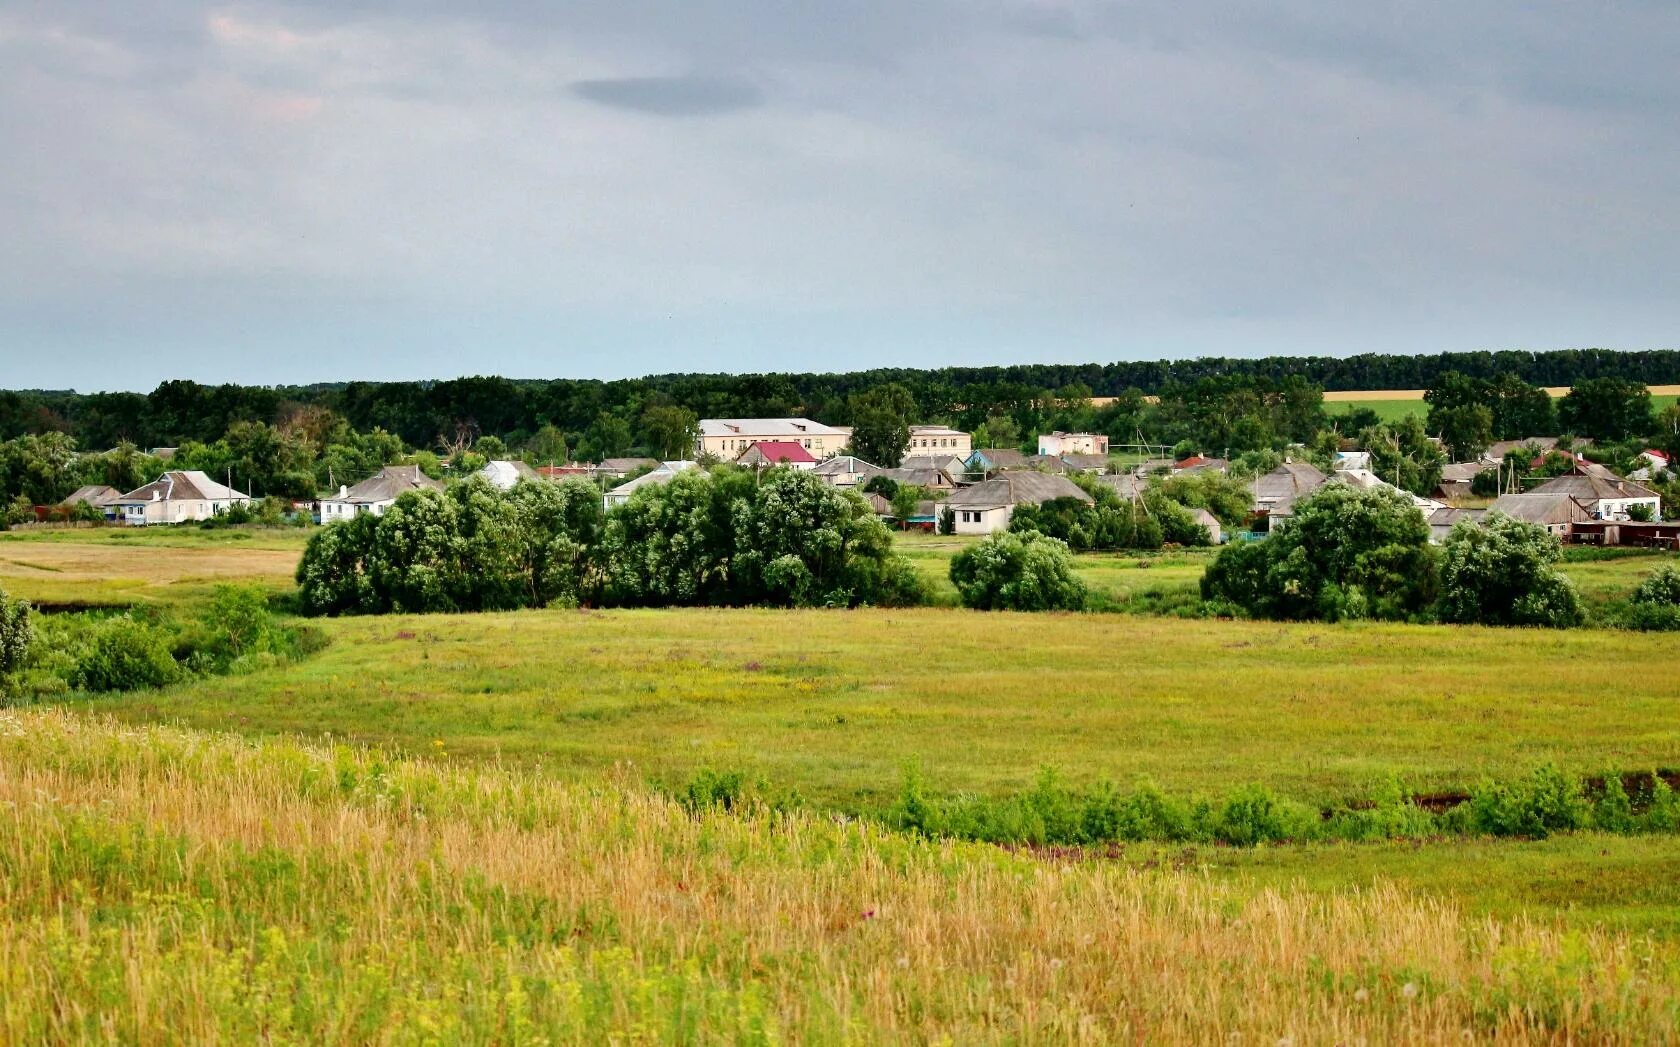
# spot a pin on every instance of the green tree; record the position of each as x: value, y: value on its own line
x: 1403, y: 455
x: 16, y: 635
x: 608, y: 436
x: 672, y: 431
x: 1499, y: 572
x: 1001, y: 431
x: 1466, y: 430
x: 1018, y: 571
x: 1346, y: 553
x: 881, y: 421
x: 1607, y: 409
x: 559, y: 528
x: 547, y: 446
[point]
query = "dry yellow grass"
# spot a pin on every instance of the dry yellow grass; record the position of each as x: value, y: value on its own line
x: 164, y: 886
x: 69, y: 572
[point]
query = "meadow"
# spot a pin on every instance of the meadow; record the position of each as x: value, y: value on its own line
x: 460, y: 828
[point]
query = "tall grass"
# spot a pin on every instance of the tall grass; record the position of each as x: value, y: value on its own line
x: 159, y: 886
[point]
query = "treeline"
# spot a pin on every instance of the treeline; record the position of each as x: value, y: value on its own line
x: 423, y: 413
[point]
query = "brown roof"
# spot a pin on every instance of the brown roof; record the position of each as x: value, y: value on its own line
x: 1086, y: 462
x: 1594, y: 486
x: 183, y: 484
x: 918, y: 477
x: 1542, y: 508
x: 387, y: 484
x: 1291, y: 480
x: 1018, y: 488
x: 93, y: 494
x: 1001, y: 457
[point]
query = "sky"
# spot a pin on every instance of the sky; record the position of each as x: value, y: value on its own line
x: 356, y: 189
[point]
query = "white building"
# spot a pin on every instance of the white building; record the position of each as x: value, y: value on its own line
x: 504, y: 475
x: 178, y: 496
x: 1058, y: 443
x: 844, y: 470
x: 988, y: 506
x: 377, y: 493
x: 726, y: 438
x: 1607, y: 496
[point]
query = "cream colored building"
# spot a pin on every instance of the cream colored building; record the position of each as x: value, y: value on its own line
x: 178, y: 496
x: 726, y: 438
x: 938, y: 440
x: 1058, y: 444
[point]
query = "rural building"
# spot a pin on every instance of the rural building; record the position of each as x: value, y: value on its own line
x: 938, y: 440
x: 1351, y: 460
x: 993, y: 459
x: 932, y: 479
x: 1216, y: 533
x: 663, y: 474
x: 1457, y: 478
x: 1555, y: 511
x: 1366, y: 480
x: 1608, y: 496
x: 100, y: 496
x: 1199, y: 464
x: 503, y: 475
x: 618, y: 468
x: 1085, y: 463
x: 1442, y: 521
x: 1126, y: 485
x: 1276, y: 492
x: 377, y: 493
x: 762, y: 454
x: 844, y: 470
x: 179, y: 496
x: 951, y: 465
x: 1059, y: 443
x: 560, y: 472
x: 987, y: 507
x: 1627, y: 533
x: 726, y: 438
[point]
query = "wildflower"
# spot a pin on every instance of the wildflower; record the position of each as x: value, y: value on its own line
x: 1409, y: 990
x: 1361, y: 995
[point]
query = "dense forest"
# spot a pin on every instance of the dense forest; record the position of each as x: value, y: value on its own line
x: 425, y: 414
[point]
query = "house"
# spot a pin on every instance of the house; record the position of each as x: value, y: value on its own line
x: 179, y: 496
x: 377, y: 493
x: 1126, y: 485
x: 1652, y: 463
x: 1216, y: 533
x: 938, y: 440
x: 1366, y: 480
x: 932, y: 479
x: 1351, y: 460
x: 1276, y: 492
x: 619, y: 468
x: 1457, y: 479
x: 100, y: 496
x: 993, y: 459
x: 925, y: 516
x: 987, y: 506
x: 1442, y: 521
x: 1498, y: 451
x: 1085, y: 463
x: 762, y: 454
x: 1200, y: 464
x: 503, y: 475
x: 951, y: 464
x: 1608, y: 496
x: 844, y: 470
x: 1555, y: 511
x: 1059, y: 443
x: 726, y: 438
x: 664, y: 473
x: 560, y: 472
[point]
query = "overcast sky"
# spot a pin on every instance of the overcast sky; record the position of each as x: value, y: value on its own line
x: 310, y: 192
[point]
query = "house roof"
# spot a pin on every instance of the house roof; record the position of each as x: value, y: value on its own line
x: 1017, y: 488
x: 844, y: 464
x: 93, y: 494
x: 1542, y: 507
x: 943, y: 462
x: 1463, y: 472
x: 998, y: 457
x: 1289, y: 481
x: 1126, y: 485
x: 664, y: 474
x: 624, y: 465
x: 1086, y: 462
x: 773, y: 451
x: 183, y: 484
x: 935, y: 430
x: 1594, y: 486
x: 387, y: 484
x: 1198, y: 462
x: 554, y: 472
x: 918, y: 477
x: 792, y: 428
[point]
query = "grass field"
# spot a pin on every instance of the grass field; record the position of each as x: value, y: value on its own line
x: 1395, y: 404
x: 166, y: 886
x: 472, y: 850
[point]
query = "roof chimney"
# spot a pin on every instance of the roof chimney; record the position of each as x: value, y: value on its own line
x: 343, y: 490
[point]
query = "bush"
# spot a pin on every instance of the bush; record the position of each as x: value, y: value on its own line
x: 1547, y: 801
x: 17, y: 634
x: 125, y: 655
x: 1346, y: 553
x: 1660, y: 588
x: 1018, y: 572
x: 1499, y: 572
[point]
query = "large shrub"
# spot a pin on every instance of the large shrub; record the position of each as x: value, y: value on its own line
x: 1013, y: 571
x: 1656, y: 601
x: 1499, y: 572
x: 125, y: 655
x: 16, y: 634
x: 1346, y: 553
x: 1110, y: 522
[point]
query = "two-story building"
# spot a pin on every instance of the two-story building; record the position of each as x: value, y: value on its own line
x: 727, y: 438
x: 943, y: 441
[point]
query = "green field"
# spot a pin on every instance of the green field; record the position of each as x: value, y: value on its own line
x: 1386, y: 410
x: 472, y: 835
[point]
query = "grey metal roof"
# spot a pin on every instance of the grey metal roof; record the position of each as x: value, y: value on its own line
x: 387, y: 484
x: 1018, y: 488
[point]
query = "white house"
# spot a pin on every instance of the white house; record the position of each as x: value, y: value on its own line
x: 664, y: 474
x: 504, y: 475
x: 377, y: 493
x: 1058, y: 443
x: 1606, y: 495
x: 844, y: 470
x: 178, y: 496
x: 726, y: 438
x: 988, y: 506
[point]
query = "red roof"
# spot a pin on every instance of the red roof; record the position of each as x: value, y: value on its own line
x: 1192, y: 462
x: 781, y: 451
x: 551, y: 471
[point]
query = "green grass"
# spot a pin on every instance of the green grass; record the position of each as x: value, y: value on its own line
x: 1387, y: 410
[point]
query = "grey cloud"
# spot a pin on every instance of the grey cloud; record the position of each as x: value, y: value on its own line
x: 672, y: 95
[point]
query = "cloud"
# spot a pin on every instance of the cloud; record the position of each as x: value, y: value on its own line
x: 672, y: 95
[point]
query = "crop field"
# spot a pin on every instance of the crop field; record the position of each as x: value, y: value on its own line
x: 458, y: 827
x: 1391, y: 405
